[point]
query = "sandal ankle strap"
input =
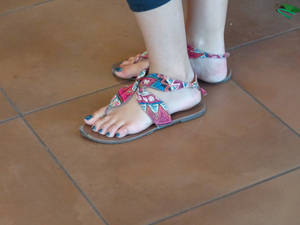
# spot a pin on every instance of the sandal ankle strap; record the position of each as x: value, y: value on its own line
x: 192, y: 52
x: 197, y: 53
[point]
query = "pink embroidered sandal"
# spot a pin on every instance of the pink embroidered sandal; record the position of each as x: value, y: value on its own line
x: 155, y: 108
x: 193, y: 54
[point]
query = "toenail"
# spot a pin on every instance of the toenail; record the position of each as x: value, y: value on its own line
x: 117, y: 135
x: 94, y: 128
x: 100, y: 131
x: 107, y: 134
x: 118, y: 69
x: 88, y: 117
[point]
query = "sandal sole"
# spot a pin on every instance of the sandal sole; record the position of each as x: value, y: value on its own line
x: 179, y: 117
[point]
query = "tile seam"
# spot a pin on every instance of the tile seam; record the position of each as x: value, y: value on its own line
x: 68, y: 100
x: 249, y: 186
x: 264, y: 38
x: 55, y: 159
x: 22, y: 8
x: 224, y: 196
x: 249, y: 43
x: 8, y: 119
x: 266, y: 108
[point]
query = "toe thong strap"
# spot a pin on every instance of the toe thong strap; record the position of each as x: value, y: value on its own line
x: 125, y: 93
x: 196, y: 53
x: 155, y: 108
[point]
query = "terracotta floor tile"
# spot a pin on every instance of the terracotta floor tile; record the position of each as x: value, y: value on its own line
x: 33, y: 189
x: 66, y: 48
x: 6, y: 111
x: 235, y: 144
x: 270, y: 71
x: 250, y: 20
x: 274, y: 202
x: 14, y: 4
x: 63, y: 49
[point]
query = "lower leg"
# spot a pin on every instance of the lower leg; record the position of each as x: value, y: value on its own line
x: 164, y: 34
x: 206, y: 23
x: 205, y: 30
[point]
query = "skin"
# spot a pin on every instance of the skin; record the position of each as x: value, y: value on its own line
x: 164, y: 34
x: 205, y: 30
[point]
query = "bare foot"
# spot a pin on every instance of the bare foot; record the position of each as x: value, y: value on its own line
x: 130, y: 68
x: 211, y: 70
x: 129, y: 118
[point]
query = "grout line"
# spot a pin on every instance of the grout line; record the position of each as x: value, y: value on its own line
x: 268, y: 37
x: 266, y: 108
x: 69, y: 100
x: 225, y: 195
x: 10, y: 11
x: 259, y: 182
x: 99, y: 90
x: 56, y: 160
x: 9, y: 119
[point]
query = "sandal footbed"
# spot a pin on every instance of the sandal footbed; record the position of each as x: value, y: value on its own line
x: 182, y: 116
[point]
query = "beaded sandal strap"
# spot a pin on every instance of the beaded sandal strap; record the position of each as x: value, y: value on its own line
x: 141, y: 56
x: 196, y: 53
x: 192, y: 52
x: 155, y: 108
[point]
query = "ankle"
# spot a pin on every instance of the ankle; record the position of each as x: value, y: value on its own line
x: 210, y: 42
x: 174, y: 71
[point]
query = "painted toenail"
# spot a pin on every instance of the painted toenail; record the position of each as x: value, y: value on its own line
x: 88, y: 117
x: 118, y: 69
x: 100, y: 131
x: 117, y: 135
x: 94, y: 128
x: 107, y: 134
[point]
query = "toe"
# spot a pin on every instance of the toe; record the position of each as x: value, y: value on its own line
x: 104, y: 128
x: 91, y: 119
x: 131, y: 59
x: 98, y: 124
x: 122, y: 131
x: 132, y: 70
x: 125, y: 63
x: 113, y: 128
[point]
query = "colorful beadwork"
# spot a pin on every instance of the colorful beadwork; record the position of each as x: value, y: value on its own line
x: 196, y: 53
x: 192, y: 52
x: 152, y: 105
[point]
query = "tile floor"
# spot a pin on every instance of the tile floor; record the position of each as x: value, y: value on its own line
x: 239, y: 164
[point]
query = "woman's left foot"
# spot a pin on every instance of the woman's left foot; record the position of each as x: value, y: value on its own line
x: 129, y: 118
x: 210, y: 70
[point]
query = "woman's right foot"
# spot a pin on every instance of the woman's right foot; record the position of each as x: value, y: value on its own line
x: 130, y: 68
x: 211, y: 70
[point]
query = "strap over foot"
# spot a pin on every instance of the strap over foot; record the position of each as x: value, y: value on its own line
x: 155, y: 108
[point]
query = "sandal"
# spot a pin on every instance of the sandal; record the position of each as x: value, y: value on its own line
x: 150, y: 104
x: 192, y: 52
